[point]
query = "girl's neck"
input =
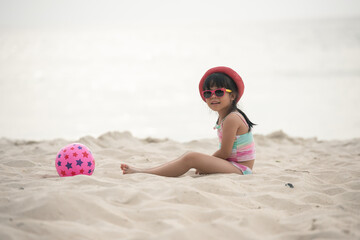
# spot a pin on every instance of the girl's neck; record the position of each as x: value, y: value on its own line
x: 223, y: 114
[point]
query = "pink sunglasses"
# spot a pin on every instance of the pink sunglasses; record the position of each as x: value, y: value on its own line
x: 218, y: 92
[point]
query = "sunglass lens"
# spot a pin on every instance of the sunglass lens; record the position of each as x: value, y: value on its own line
x: 219, y: 93
x: 207, y: 94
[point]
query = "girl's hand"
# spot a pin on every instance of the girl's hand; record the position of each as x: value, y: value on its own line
x: 200, y: 173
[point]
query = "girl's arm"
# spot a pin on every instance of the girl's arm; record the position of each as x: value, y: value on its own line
x: 230, y: 127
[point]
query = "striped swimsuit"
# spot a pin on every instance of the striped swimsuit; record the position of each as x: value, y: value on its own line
x: 243, y: 148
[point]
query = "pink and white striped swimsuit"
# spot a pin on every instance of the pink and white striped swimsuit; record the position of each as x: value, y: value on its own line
x: 243, y: 148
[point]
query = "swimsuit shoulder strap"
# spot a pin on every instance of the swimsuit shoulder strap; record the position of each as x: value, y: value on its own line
x: 241, y: 117
x: 236, y: 113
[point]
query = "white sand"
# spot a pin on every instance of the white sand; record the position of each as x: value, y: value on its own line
x: 324, y: 203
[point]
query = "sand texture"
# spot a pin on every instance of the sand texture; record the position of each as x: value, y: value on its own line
x: 301, y: 189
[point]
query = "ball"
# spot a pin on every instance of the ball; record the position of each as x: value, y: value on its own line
x: 74, y: 159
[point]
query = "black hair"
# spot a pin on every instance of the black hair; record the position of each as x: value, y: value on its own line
x: 221, y: 80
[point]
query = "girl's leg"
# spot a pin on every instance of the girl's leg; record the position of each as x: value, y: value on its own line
x: 202, y: 162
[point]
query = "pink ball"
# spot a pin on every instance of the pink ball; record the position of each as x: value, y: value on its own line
x: 74, y: 159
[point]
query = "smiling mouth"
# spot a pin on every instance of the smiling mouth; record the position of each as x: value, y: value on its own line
x: 214, y: 103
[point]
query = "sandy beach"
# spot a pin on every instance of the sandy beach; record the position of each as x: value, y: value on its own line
x: 301, y: 189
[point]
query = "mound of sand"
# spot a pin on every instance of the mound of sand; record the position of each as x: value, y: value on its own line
x: 301, y: 189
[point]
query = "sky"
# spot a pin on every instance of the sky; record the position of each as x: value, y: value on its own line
x: 123, y: 43
x: 85, y: 13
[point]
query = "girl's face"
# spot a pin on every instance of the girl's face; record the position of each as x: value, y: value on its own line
x: 220, y: 104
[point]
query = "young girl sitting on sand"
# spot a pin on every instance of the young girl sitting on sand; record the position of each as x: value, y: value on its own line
x: 221, y: 88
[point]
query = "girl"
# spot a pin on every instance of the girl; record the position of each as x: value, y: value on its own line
x: 221, y: 88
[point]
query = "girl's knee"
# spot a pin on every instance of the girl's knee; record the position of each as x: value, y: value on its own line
x: 189, y: 158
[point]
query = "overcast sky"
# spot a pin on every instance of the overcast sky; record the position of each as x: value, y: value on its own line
x: 67, y: 13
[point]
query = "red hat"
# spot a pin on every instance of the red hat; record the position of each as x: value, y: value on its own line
x: 228, y: 71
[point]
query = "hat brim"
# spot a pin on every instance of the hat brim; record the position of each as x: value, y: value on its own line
x: 228, y: 71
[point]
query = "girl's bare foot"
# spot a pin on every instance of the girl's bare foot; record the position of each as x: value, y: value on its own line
x: 127, y: 169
